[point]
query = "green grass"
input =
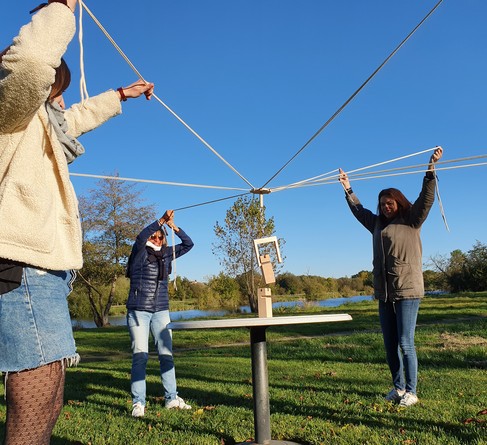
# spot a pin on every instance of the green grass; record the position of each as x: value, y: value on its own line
x: 326, y: 383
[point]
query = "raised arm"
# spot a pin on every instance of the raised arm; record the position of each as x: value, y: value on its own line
x: 424, y: 202
x: 28, y: 67
x: 186, y: 242
x: 435, y: 157
x: 363, y: 215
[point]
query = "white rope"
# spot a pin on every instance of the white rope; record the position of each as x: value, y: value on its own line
x: 375, y: 175
x: 333, y: 180
x: 313, y: 179
x: 394, y: 160
x: 440, y: 203
x: 333, y: 177
x: 410, y: 167
x: 151, y: 181
x: 82, y: 81
x: 173, y: 240
x: 207, y: 145
x: 329, y: 180
x: 305, y: 180
x: 415, y: 167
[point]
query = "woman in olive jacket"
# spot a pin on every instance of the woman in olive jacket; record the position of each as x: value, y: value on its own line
x: 398, y: 273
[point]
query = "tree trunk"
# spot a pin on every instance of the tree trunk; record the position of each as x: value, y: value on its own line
x: 253, y: 303
x: 111, y: 297
x: 251, y: 290
x: 96, y: 315
x: 100, y: 319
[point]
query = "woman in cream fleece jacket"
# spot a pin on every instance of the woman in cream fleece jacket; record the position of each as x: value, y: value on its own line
x: 40, y: 232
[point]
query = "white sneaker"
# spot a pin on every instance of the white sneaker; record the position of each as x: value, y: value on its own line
x: 408, y: 399
x: 395, y: 395
x: 178, y: 402
x: 138, y: 410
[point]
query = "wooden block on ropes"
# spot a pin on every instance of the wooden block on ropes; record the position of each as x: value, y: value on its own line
x: 267, y: 270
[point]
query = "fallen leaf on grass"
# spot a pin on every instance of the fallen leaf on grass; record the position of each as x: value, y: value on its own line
x: 473, y: 419
x: 377, y: 407
x: 74, y: 402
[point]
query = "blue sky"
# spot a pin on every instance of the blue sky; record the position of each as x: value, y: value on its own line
x: 256, y: 79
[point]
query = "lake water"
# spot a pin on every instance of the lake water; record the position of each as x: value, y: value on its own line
x: 195, y: 313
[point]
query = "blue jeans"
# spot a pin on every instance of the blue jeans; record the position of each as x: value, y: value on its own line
x: 398, y: 323
x: 35, y: 326
x: 140, y: 324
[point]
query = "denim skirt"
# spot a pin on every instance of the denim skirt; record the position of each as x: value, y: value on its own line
x: 35, y: 326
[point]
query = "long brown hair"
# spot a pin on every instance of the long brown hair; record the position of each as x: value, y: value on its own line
x: 403, y: 204
x: 61, y: 81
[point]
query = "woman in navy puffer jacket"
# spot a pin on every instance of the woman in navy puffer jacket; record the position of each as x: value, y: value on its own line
x: 148, y: 309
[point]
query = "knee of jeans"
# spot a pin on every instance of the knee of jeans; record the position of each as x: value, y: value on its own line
x: 140, y: 357
x: 407, y: 346
x: 166, y: 357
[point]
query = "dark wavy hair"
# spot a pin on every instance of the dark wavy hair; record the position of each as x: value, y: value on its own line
x: 403, y: 204
x: 61, y: 81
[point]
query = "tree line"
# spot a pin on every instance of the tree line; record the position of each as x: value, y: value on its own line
x: 112, y: 215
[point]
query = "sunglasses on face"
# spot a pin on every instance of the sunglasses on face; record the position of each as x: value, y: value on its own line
x: 160, y: 237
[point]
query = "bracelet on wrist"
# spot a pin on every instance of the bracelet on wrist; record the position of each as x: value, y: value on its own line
x: 349, y: 191
x: 123, y: 97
